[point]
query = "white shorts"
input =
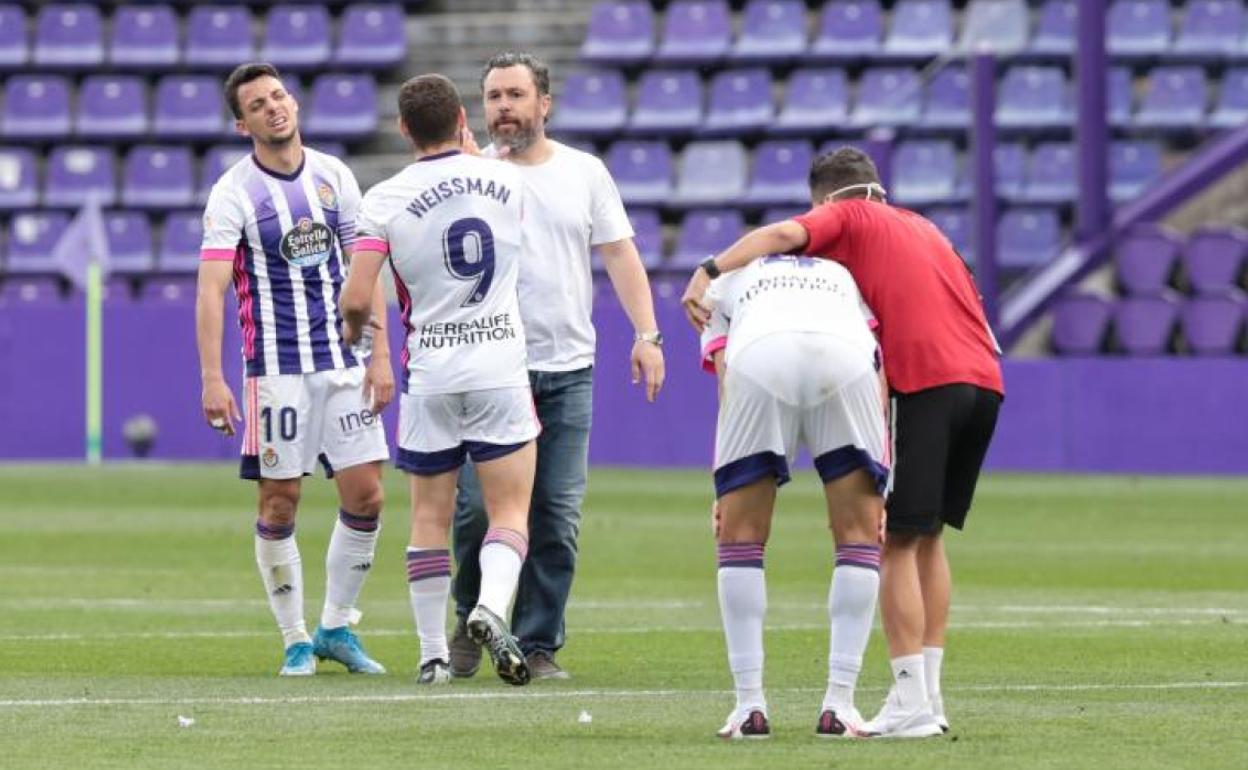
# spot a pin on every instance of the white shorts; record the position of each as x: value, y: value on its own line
x: 438, y: 432
x: 295, y: 420
x: 791, y: 389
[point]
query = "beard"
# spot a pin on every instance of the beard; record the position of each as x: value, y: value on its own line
x: 280, y: 139
x: 518, y: 140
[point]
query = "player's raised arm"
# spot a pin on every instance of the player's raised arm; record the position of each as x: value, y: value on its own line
x: 779, y: 238
x: 220, y: 409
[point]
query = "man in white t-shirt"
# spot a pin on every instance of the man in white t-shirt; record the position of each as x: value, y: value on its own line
x: 450, y: 225
x: 571, y: 204
x: 798, y: 365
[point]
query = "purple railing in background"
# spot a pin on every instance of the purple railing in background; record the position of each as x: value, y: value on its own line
x: 1105, y: 414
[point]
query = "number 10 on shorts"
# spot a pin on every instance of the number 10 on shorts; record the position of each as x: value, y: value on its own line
x: 287, y: 423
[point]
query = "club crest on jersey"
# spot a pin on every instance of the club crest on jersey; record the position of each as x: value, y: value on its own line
x: 269, y: 458
x: 329, y: 199
x: 308, y: 244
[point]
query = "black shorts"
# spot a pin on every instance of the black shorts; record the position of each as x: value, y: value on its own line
x: 940, y: 437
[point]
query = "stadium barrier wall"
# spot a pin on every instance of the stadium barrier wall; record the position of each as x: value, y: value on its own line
x: 1174, y: 415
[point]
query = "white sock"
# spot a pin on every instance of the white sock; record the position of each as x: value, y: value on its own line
x: 851, y: 608
x: 282, y: 572
x: 933, y: 657
x: 502, y: 555
x: 429, y: 583
x: 908, y: 676
x: 347, y: 563
x: 743, y: 607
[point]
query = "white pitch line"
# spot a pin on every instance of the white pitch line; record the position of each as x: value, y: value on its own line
x: 563, y: 694
x: 618, y: 630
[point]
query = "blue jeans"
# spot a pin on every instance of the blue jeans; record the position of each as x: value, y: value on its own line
x: 564, y: 402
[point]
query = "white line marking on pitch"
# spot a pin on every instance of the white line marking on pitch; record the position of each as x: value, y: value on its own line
x: 543, y: 695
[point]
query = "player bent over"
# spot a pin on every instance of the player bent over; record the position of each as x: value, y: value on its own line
x: 279, y: 224
x: 450, y: 225
x: 797, y: 364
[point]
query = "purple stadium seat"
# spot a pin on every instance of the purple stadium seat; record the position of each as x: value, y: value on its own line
x: 592, y: 103
x: 1028, y: 237
x: 919, y: 29
x: 1146, y: 326
x: 14, y: 38
x: 342, y: 107
x: 668, y: 102
x: 781, y: 213
x: 814, y: 100
x: 158, y: 177
x: 712, y: 173
x: 1175, y: 99
x: 30, y: 289
x: 1138, y: 27
x: 695, y: 32
x: 216, y: 162
x: 1010, y: 164
x: 75, y: 173
x: 296, y: 37
x: 1215, y: 258
x: 219, y: 36
x: 620, y: 32
x: 69, y: 36
x: 1133, y: 166
x: 704, y: 233
x: 1080, y: 324
x: 129, y: 242
x: 168, y: 289
x: 1051, y: 173
x: 1055, y: 28
x: 180, y: 241
x: 887, y: 96
x: 1214, y: 325
x: 1031, y: 98
x: 1210, y: 29
x: 955, y: 223
x: 188, y: 107
x: 145, y: 38
x: 19, y: 185
x: 924, y: 172
x: 642, y: 171
x: 112, y: 107
x: 739, y: 103
x: 1000, y: 26
x: 1232, y: 107
x: 1119, y: 96
x: 947, y: 99
x: 848, y: 29
x: 1145, y: 260
x: 780, y: 173
x: 647, y: 236
x: 371, y: 36
x: 35, y: 107
x: 771, y: 31
x: 31, y: 237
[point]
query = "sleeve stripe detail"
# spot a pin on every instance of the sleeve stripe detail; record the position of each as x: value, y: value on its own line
x: 217, y: 255
x: 712, y: 347
x: 370, y: 243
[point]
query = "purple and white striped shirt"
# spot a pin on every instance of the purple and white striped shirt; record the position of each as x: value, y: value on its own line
x: 285, y: 235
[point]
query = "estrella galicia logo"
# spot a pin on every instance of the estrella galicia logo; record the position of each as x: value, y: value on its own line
x: 309, y: 244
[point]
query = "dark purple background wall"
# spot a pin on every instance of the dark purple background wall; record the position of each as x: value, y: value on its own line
x: 1108, y: 414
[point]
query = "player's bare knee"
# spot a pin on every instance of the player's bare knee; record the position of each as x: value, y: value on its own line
x: 279, y: 501
x: 365, y: 501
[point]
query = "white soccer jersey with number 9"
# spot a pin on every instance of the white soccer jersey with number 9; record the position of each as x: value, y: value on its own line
x: 451, y: 225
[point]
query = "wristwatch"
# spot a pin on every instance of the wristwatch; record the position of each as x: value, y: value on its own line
x: 712, y: 269
x: 655, y: 337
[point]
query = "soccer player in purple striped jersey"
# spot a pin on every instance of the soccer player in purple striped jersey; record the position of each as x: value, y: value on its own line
x: 790, y: 341
x: 279, y: 226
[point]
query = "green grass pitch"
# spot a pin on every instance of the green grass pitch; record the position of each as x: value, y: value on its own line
x: 1098, y: 622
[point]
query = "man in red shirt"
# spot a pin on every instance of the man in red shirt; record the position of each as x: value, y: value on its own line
x: 942, y: 365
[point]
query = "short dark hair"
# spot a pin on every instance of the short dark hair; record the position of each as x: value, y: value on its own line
x: 537, y: 68
x: 839, y: 168
x: 242, y: 75
x: 429, y: 106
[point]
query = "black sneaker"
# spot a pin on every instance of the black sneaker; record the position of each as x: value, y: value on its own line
x: 750, y: 726
x: 434, y: 672
x: 489, y: 630
x: 465, y: 653
x: 543, y: 666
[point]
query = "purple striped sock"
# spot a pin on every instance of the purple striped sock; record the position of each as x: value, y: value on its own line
x: 358, y: 523
x: 865, y: 555
x: 274, y: 533
x: 431, y: 563
x: 741, y: 555
x: 508, y: 537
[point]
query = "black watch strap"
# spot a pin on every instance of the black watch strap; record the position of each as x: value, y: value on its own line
x: 712, y: 270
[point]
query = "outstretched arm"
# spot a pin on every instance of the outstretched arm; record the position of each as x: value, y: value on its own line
x: 779, y: 238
